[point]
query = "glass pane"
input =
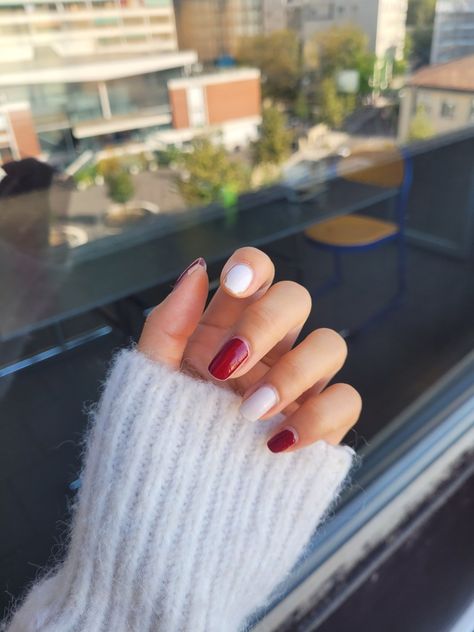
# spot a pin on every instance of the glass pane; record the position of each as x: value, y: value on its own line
x: 137, y: 135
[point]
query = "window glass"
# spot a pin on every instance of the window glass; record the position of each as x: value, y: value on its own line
x: 138, y: 135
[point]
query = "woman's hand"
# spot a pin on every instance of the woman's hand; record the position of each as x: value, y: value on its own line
x: 245, y: 337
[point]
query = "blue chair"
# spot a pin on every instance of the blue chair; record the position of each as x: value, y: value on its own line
x: 393, y: 168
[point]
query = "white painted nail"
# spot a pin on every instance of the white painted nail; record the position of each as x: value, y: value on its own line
x: 259, y: 403
x: 239, y: 278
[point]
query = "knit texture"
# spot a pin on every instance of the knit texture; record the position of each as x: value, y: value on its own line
x: 185, y: 520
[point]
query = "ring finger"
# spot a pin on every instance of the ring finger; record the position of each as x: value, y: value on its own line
x: 313, y: 362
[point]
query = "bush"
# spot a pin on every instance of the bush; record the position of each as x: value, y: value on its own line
x: 119, y: 186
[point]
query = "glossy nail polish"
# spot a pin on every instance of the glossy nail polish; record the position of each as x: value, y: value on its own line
x: 229, y: 358
x: 239, y: 278
x: 259, y: 403
x: 192, y: 267
x: 283, y: 440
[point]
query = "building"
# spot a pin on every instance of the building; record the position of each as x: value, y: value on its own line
x: 383, y: 21
x: 227, y: 102
x: 214, y: 28
x: 93, y: 71
x: 18, y: 138
x: 453, y: 34
x: 443, y: 94
x: 274, y: 15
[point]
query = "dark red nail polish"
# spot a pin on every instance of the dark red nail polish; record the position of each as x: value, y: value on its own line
x: 283, y: 440
x: 197, y: 262
x: 229, y: 358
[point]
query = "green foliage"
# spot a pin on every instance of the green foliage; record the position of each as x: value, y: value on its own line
x: 331, y: 105
x: 209, y: 174
x: 119, y: 183
x: 337, y: 48
x: 301, y: 107
x: 365, y: 66
x: 278, y: 57
x: 109, y: 167
x: 420, y: 126
x: 421, y: 15
x: 86, y: 175
x: 119, y: 186
x: 274, y: 144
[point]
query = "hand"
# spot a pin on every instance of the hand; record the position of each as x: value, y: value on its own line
x: 244, y: 339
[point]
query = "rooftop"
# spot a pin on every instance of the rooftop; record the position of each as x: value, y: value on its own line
x: 452, y: 75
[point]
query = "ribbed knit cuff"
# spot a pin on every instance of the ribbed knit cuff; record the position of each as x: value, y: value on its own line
x: 185, y: 520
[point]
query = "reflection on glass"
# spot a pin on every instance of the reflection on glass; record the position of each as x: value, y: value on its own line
x: 137, y: 135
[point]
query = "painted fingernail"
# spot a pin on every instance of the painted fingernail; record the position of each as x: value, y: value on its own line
x: 239, y: 278
x: 229, y: 358
x: 192, y: 267
x: 259, y: 403
x: 283, y: 440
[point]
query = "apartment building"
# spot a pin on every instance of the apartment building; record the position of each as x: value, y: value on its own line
x: 213, y: 28
x: 444, y: 93
x: 383, y: 21
x: 93, y: 71
x: 453, y: 34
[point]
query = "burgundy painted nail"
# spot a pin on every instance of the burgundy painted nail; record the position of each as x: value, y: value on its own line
x: 197, y: 262
x: 283, y: 440
x: 229, y: 358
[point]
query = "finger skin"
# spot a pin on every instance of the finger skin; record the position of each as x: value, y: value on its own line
x: 315, y: 360
x: 263, y: 325
x: 169, y: 326
x: 226, y: 308
x: 327, y: 416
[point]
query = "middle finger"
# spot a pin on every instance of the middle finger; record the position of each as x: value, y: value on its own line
x: 262, y: 325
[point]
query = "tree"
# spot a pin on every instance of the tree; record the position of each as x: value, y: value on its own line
x: 420, y: 16
x: 120, y: 187
x: 274, y: 144
x: 301, y: 107
x: 119, y: 183
x: 328, y: 52
x: 278, y: 57
x: 337, y: 48
x: 331, y: 106
x: 420, y: 126
x: 209, y: 174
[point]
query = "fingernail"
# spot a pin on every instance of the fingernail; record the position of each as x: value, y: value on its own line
x: 283, y: 440
x: 239, y: 278
x: 229, y: 358
x: 192, y: 267
x: 259, y: 403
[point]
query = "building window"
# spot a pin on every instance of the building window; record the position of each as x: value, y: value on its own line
x: 471, y: 112
x: 447, y: 109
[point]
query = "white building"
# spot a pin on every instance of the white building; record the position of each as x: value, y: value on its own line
x: 92, y: 70
x: 383, y: 21
x: 453, y: 34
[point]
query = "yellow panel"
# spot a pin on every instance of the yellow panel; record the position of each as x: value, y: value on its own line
x: 383, y: 168
x: 351, y: 230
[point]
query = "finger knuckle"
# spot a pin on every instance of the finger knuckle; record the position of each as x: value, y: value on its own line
x: 295, y: 293
x: 353, y: 396
x: 249, y: 252
x: 292, y: 372
x: 260, y: 319
x: 333, y: 340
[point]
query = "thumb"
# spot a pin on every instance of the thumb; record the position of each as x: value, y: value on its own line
x: 169, y: 326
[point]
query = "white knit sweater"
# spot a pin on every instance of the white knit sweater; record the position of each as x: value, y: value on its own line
x: 185, y: 521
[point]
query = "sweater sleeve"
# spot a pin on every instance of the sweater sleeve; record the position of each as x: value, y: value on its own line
x: 184, y: 520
